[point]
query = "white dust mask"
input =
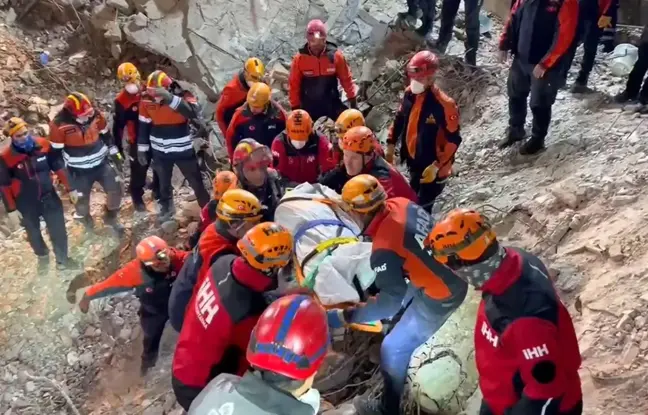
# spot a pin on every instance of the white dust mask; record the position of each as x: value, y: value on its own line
x: 298, y: 144
x: 417, y: 87
x: 132, y: 88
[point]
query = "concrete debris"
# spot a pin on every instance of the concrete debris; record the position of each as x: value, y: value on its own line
x: 102, y: 16
x: 72, y: 358
x: 615, y: 251
x: 622, y: 200
x: 344, y: 409
x: 113, y: 32
x: 123, y: 6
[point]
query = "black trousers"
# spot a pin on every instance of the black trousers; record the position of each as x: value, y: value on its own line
x: 51, y: 209
x: 521, y: 83
x: 83, y: 180
x: 448, y: 14
x: 331, y: 109
x: 138, y: 178
x: 153, y: 322
x: 634, y: 87
x: 576, y: 410
x: 189, y: 169
x: 426, y: 192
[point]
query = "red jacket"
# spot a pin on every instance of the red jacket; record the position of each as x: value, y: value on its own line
x: 304, y: 164
x: 219, y: 320
x: 212, y: 244
x: 262, y: 127
x: 392, y: 180
x: 526, y: 348
x: 233, y: 96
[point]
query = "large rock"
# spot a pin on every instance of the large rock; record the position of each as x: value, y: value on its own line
x: 207, y: 40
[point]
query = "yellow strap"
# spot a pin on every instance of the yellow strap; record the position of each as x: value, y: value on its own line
x: 373, y: 327
x: 323, y: 246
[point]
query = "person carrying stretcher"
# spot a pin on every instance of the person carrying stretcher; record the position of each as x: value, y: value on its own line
x: 301, y: 154
x: 360, y: 157
x: 398, y: 229
x: 223, y: 311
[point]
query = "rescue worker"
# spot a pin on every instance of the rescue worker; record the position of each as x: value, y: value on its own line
x: 398, y: 228
x: 348, y: 119
x: 526, y: 349
x: 314, y: 75
x: 260, y: 118
x: 594, y: 18
x: 539, y: 34
x: 28, y: 192
x: 237, y: 212
x: 427, y: 9
x: 449, y: 11
x: 427, y: 124
x: 251, y: 163
x: 300, y: 153
x: 294, y: 325
x: 224, y: 181
x: 151, y: 274
x: 125, y: 126
x: 165, y: 114
x: 634, y: 89
x: 235, y: 92
x: 223, y: 311
x: 89, y: 151
x: 360, y: 157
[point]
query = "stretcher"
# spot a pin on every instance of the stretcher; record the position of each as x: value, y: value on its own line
x: 329, y: 257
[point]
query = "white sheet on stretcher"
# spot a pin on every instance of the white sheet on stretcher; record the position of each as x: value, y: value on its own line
x: 335, y: 270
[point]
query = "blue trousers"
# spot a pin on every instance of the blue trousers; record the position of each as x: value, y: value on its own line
x: 418, y: 323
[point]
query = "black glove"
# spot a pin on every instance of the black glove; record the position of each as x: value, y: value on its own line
x: 143, y: 158
x: 118, y: 161
x: 353, y: 103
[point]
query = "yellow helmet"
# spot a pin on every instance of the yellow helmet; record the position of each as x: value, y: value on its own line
x: 13, y: 126
x: 364, y: 193
x: 258, y: 96
x: 238, y: 205
x: 349, y: 118
x: 128, y: 73
x: 267, y: 246
x: 254, y: 70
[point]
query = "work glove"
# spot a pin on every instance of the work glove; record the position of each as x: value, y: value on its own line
x: 335, y: 318
x: 143, y: 158
x: 353, y: 103
x: 84, y: 304
x: 74, y: 196
x: 165, y: 97
x: 118, y: 161
x: 15, y: 216
x: 389, y: 153
x: 604, y: 22
x: 429, y: 174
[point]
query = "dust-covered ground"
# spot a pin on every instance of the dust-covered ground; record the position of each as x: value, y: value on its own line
x: 578, y: 205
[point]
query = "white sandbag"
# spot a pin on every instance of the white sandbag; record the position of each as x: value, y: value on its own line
x: 442, y: 373
x: 334, y: 270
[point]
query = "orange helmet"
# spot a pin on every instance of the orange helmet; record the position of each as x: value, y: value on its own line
x: 252, y: 154
x: 358, y: 140
x: 79, y: 105
x: 14, y: 125
x: 364, y: 193
x: 299, y: 125
x: 463, y: 235
x: 128, y: 73
x: 267, y: 246
x: 348, y: 119
x: 152, y: 250
x: 224, y: 181
x: 158, y: 79
x: 238, y: 205
x: 258, y: 96
x: 254, y: 70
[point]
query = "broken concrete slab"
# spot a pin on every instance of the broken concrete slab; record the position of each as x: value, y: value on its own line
x: 113, y: 32
x: 102, y: 16
x: 122, y: 6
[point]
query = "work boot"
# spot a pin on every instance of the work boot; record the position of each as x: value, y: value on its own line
x: 533, y: 145
x: 441, y: 46
x: 407, y: 19
x: 471, y: 58
x: 43, y: 263
x: 425, y: 28
x: 513, y: 135
x: 623, y: 97
x: 580, y: 86
x: 67, y: 264
x: 110, y: 219
x: 146, y: 365
x: 367, y: 406
x: 139, y: 206
x: 87, y: 222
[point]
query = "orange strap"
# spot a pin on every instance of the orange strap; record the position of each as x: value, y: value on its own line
x: 412, y: 125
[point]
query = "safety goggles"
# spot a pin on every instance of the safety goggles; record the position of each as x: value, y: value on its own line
x: 267, y: 262
x: 160, y: 257
x: 260, y: 158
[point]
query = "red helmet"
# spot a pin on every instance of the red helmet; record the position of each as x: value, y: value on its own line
x: 422, y: 65
x: 290, y: 338
x: 250, y: 153
x: 79, y: 105
x: 315, y: 29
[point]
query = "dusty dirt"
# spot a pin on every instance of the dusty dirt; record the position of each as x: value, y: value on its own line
x: 579, y: 205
